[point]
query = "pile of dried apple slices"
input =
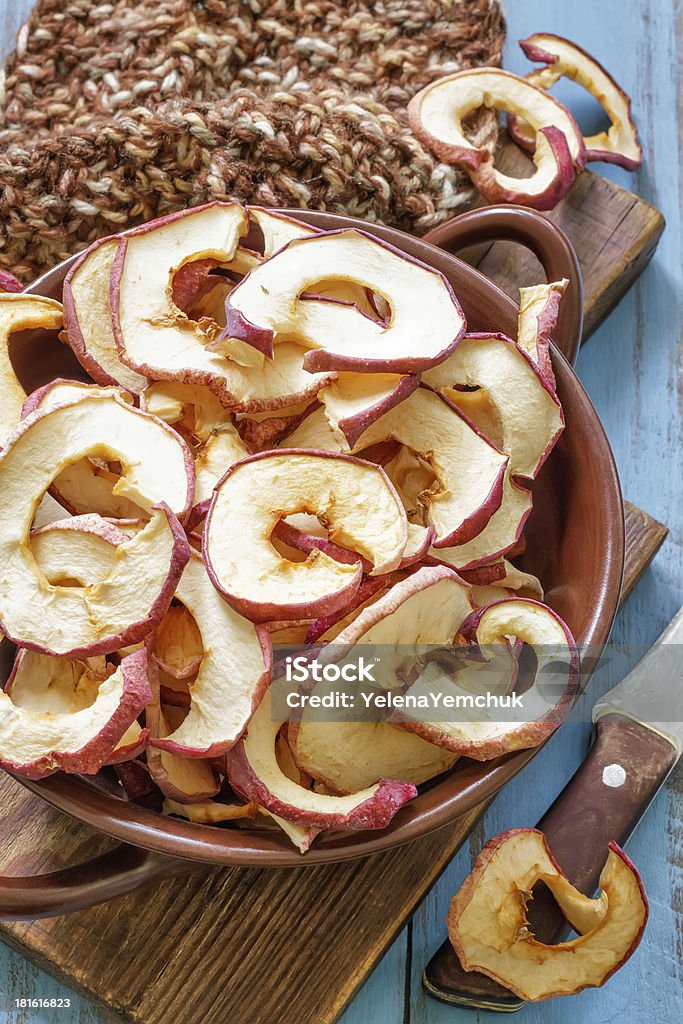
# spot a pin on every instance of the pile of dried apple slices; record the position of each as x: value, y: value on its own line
x: 289, y: 438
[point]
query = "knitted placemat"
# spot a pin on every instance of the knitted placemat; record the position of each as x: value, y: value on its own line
x: 120, y: 110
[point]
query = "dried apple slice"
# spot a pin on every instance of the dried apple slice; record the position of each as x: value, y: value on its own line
x: 347, y: 755
x: 277, y: 229
x: 178, y: 643
x: 261, y: 431
x: 327, y: 627
x: 80, y: 550
x: 337, y: 488
x: 538, y: 311
x: 355, y: 400
x: 87, y: 317
x: 531, y: 421
x: 436, y: 116
x: 209, y: 812
x: 19, y: 313
x: 428, y: 607
x: 46, y: 685
x: 196, y: 412
x: 124, y: 606
x: 233, y: 673
x: 544, y: 704
x: 183, y: 779
x: 158, y: 339
x: 267, y: 306
x: 488, y: 927
x: 470, y: 471
x: 88, y: 485
x: 79, y: 479
x: 37, y: 741
x: 255, y: 774
x: 619, y: 144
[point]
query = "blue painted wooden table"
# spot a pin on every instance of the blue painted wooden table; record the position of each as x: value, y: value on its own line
x: 632, y: 370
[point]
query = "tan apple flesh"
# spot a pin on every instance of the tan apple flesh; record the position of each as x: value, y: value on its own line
x: 489, y: 931
x: 337, y: 488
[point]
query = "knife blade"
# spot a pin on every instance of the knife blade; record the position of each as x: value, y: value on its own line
x: 637, y: 740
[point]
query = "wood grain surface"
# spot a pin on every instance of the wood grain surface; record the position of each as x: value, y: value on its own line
x: 630, y: 371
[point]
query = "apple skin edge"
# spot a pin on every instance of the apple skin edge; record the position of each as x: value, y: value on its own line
x: 537, y: 54
x: 95, y: 752
x: 373, y: 813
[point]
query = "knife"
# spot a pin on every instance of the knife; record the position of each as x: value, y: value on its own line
x: 637, y: 740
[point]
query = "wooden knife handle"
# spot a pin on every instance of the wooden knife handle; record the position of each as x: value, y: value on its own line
x: 604, y: 801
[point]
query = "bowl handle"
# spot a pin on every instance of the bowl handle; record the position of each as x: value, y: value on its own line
x: 547, y: 242
x: 80, y: 886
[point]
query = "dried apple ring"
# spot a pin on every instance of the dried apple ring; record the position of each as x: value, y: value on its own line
x: 477, y: 734
x: 530, y: 420
x: 123, y: 607
x: 469, y: 468
x: 79, y: 550
x: 275, y: 484
x: 87, y: 317
x: 436, y: 114
x: 18, y: 313
x: 88, y: 485
x: 255, y: 774
x: 36, y: 741
x: 156, y: 338
x: 488, y: 927
x: 539, y: 307
x: 232, y: 675
x: 270, y: 305
x: 46, y: 685
x: 619, y: 144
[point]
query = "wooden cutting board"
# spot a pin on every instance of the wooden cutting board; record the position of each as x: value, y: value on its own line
x: 224, y: 945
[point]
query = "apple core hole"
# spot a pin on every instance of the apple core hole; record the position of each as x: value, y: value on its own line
x: 541, y: 903
x: 589, y: 113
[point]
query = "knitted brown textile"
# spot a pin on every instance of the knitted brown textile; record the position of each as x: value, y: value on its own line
x: 116, y: 111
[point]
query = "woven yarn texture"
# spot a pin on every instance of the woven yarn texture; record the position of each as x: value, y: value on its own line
x: 115, y: 112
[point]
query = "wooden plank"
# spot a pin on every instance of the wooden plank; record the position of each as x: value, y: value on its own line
x: 644, y: 538
x: 142, y: 954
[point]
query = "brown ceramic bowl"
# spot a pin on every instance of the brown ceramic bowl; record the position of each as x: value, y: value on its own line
x: 575, y: 543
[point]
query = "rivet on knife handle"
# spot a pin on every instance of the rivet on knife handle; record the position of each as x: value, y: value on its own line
x: 603, y: 801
